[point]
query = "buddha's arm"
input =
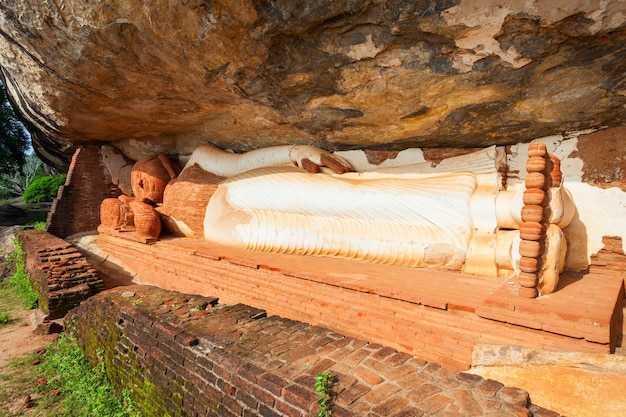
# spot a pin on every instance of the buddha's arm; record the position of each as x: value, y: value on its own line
x: 228, y: 164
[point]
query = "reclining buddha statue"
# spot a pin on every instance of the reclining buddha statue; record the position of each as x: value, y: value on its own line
x: 454, y: 215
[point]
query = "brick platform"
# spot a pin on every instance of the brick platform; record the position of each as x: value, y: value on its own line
x: 183, y: 355
x: 439, y: 316
x: 581, y: 308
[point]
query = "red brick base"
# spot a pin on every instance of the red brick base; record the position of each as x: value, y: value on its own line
x: 431, y: 314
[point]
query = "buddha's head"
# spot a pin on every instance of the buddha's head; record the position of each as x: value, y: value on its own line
x: 149, y: 178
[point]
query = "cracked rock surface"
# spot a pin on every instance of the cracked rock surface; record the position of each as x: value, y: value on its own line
x: 169, y: 75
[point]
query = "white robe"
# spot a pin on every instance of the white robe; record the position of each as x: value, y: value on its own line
x: 413, y: 215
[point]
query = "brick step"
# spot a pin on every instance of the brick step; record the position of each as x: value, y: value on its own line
x: 441, y: 289
x: 585, y: 307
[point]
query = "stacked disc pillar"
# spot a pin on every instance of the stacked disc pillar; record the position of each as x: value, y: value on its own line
x: 535, y: 218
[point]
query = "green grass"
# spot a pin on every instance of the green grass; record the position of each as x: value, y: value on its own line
x: 10, y: 303
x: 40, y: 224
x: 4, y: 317
x: 20, y: 280
x: 61, y: 383
x: 86, y: 389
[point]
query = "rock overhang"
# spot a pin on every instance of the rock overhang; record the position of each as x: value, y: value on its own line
x: 340, y: 75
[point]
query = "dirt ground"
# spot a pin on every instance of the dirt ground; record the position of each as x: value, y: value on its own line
x: 20, y: 379
x: 17, y: 338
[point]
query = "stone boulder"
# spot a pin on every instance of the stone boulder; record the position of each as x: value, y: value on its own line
x: 166, y: 76
x: 11, y: 215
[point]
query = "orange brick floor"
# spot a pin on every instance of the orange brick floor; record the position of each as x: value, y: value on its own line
x: 437, y: 315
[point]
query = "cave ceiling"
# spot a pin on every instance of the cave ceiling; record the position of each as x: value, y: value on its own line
x: 170, y: 75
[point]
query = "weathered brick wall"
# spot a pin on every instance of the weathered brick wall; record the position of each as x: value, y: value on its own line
x: 183, y: 355
x: 60, y: 274
x: 77, y: 206
x: 604, y: 157
x: 611, y: 258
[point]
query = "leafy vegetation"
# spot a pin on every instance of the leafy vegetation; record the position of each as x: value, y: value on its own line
x: 10, y: 302
x: 13, y: 138
x: 43, y: 188
x: 323, y: 387
x: 60, y: 382
x: 15, y: 183
x: 4, y: 317
x: 86, y: 389
x: 39, y: 225
x: 20, y: 280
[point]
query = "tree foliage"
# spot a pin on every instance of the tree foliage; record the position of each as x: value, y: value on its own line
x: 15, y: 184
x: 13, y: 139
x: 43, y: 188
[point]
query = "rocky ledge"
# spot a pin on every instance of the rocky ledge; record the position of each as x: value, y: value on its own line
x: 170, y: 75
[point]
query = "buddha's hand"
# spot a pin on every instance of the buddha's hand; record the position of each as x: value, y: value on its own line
x: 312, y: 159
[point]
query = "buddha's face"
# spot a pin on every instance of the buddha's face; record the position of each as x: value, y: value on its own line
x: 147, y: 187
x: 148, y: 179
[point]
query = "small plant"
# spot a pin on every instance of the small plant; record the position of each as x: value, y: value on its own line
x: 323, y: 386
x: 4, y: 317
